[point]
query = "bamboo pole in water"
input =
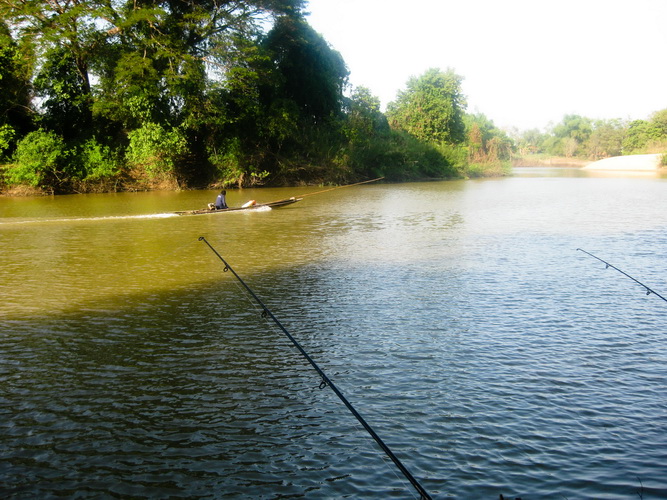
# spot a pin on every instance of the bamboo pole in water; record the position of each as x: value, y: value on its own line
x: 331, y: 189
x: 340, y: 187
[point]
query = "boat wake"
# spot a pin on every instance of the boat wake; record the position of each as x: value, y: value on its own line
x: 75, y: 219
x: 263, y: 208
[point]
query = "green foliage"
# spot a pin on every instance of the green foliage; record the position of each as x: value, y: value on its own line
x: 368, y: 136
x: 311, y: 73
x: 43, y: 160
x: 606, y: 139
x: 531, y: 142
x: 154, y: 149
x: 66, y: 96
x: 647, y: 136
x: 40, y: 160
x: 15, y: 62
x: 7, y: 134
x: 230, y: 167
x: 573, y: 126
x: 659, y: 122
x: 196, y: 91
x: 399, y: 156
x: 431, y: 108
x: 278, y: 113
x: 487, y: 169
x: 586, y: 138
x: 97, y: 161
x: 486, y: 143
x: 639, y: 134
x: 488, y: 150
x: 227, y: 161
x: 570, y: 135
x: 364, y: 120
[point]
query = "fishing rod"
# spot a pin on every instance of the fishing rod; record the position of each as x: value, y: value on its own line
x: 326, y: 381
x: 649, y: 291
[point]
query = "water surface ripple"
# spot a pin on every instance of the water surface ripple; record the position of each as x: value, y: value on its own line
x: 458, y: 318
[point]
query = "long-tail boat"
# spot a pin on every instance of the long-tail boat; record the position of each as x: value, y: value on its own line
x: 248, y: 206
x: 252, y: 205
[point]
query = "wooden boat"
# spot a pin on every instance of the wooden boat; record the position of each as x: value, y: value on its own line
x: 272, y: 204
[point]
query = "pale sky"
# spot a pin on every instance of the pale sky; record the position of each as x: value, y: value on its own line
x: 525, y: 63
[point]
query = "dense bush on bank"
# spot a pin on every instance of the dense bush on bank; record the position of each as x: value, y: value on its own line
x: 155, y: 159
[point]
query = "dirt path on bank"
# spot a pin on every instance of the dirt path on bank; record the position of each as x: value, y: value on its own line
x: 628, y: 163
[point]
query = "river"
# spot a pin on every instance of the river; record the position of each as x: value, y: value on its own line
x: 457, y: 317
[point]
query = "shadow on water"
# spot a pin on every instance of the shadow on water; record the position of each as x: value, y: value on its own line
x: 184, y: 393
x: 189, y: 393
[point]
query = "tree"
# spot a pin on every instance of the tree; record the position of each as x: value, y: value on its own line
x: 659, y: 122
x: 284, y: 99
x: 364, y: 120
x: 531, y: 142
x: 475, y: 143
x: 569, y: 136
x: 155, y: 149
x: 575, y: 127
x: 606, y: 139
x: 486, y: 142
x: 640, y: 135
x: 158, y: 68
x: 48, y: 25
x: 66, y: 96
x: 15, y: 64
x: 40, y: 161
x: 368, y: 145
x: 310, y: 73
x: 431, y: 107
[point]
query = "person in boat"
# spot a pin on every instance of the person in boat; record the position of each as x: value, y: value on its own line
x: 220, y: 201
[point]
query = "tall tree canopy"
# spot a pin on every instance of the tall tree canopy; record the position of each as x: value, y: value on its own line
x: 312, y: 74
x: 148, y: 55
x: 15, y: 87
x: 431, y: 108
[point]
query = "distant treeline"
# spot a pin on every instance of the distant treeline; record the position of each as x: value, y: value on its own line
x: 582, y: 137
x: 141, y: 94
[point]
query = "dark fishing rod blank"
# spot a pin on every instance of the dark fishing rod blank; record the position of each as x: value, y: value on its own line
x: 326, y: 381
x: 649, y: 291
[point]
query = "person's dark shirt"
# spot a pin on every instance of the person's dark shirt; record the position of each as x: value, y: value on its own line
x: 220, y: 202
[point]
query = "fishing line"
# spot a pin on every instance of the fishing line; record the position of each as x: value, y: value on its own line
x: 649, y: 291
x: 340, y: 187
x: 266, y: 313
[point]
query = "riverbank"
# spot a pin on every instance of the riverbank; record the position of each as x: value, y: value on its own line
x: 633, y: 163
x: 548, y: 161
x: 135, y: 181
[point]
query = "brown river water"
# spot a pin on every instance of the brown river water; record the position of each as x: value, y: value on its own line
x: 457, y: 317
